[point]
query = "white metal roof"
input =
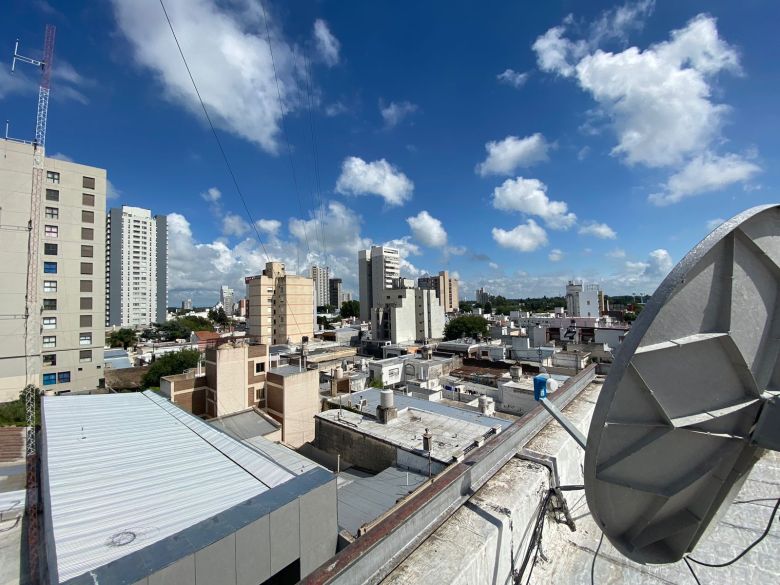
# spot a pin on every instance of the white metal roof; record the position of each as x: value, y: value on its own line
x: 137, y: 466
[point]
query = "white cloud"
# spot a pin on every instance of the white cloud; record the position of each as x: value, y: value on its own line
x: 229, y: 57
x: 212, y: 195
x: 706, y: 172
x: 428, y: 230
x: 505, y: 156
x: 337, y: 228
x: 659, y: 263
x: 379, y: 177
x: 493, y: 265
x: 407, y: 248
x: 616, y: 23
x: 395, y: 112
x: 583, y: 153
x: 530, y: 196
x: 555, y: 255
x: 455, y: 274
x: 112, y: 192
x: 328, y: 46
x: 513, y: 78
x: 234, y: 225
x: 525, y: 237
x: 269, y: 226
x: 335, y: 109
x: 60, y: 156
x: 70, y: 84
x: 713, y: 223
x: 598, y: 230
x: 616, y: 253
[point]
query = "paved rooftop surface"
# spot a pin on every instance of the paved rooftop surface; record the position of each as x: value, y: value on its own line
x: 244, y: 425
x: 287, y: 371
x: 11, y: 443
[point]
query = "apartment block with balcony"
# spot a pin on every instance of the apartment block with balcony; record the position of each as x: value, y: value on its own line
x: 66, y: 354
x: 378, y: 267
x: 446, y: 289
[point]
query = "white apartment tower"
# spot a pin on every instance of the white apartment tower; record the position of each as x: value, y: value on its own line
x: 321, y: 276
x: 227, y: 299
x: 68, y: 319
x: 136, y: 267
x: 377, y: 270
x: 582, y: 300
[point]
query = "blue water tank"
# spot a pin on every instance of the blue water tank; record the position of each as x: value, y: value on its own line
x: 540, y: 386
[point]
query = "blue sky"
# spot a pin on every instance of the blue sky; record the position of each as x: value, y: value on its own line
x: 517, y: 144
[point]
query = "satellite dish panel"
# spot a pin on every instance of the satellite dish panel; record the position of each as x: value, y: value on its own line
x: 670, y: 440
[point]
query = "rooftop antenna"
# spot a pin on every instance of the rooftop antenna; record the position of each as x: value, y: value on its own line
x: 692, y: 399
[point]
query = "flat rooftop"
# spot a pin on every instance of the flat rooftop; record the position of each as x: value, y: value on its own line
x: 288, y: 370
x: 246, y: 424
x: 135, y: 467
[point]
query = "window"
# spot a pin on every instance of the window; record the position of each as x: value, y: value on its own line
x: 87, y: 234
x: 87, y: 216
x: 52, y: 213
x: 85, y: 320
x: 50, y: 268
x: 52, y: 195
x: 50, y: 249
x: 86, y: 251
x: 49, y: 341
x: 49, y: 304
x: 49, y: 286
x: 50, y: 322
x: 53, y: 177
x: 88, y: 182
x: 85, y: 286
x: 51, y: 231
x: 85, y: 339
x: 49, y: 359
x: 86, y: 268
x: 85, y: 355
x: 49, y: 379
x: 259, y: 367
x: 63, y: 377
x: 85, y: 303
x: 88, y: 199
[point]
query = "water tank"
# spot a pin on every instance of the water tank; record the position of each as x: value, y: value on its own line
x: 386, y: 398
x: 515, y: 372
x: 339, y: 373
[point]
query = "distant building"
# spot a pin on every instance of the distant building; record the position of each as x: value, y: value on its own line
x: 186, y: 305
x: 446, y: 289
x: 334, y: 292
x: 242, y: 307
x: 321, y: 275
x: 136, y: 267
x: 582, y: 300
x: 345, y: 298
x: 377, y: 268
x: 280, y: 306
x: 63, y: 350
x: 226, y: 299
x: 482, y: 296
x: 293, y: 399
x: 405, y: 313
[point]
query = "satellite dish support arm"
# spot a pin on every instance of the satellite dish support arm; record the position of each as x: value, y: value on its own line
x: 567, y: 425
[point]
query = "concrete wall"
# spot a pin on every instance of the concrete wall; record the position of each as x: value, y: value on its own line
x: 361, y: 450
x: 294, y: 400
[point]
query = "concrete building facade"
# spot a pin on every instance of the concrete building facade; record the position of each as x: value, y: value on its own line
x: 446, y: 289
x: 68, y: 324
x: 321, y: 277
x: 482, y: 296
x: 293, y: 399
x: 334, y: 292
x: 582, y: 300
x: 136, y: 267
x: 378, y: 267
x: 280, y: 306
x: 406, y: 314
x: 227, y: 299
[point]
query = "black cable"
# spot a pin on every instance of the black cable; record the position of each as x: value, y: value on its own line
x: 690, y: 568
x: 593, y: 562
x: 744, y: 552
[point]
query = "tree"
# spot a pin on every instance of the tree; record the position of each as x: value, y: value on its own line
x: 466, y: 326
x: 170, y: 364
x: 324, y: 322
x: 488, y: 307
x: 182, y: 327
x: 124, y: 338
x: 629, y: 316
x: 350, y: 309
x: 14, y: 413
x: 218, y: 316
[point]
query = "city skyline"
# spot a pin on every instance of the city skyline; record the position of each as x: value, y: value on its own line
x: 588, y: 187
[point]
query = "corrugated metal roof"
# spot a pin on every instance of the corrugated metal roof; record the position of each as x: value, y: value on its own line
x: 134, y: 467
x: 245, y: 425
x: 284, y: 456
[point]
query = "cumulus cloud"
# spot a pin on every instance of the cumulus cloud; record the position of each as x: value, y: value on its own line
x: 598, y: 230
x: 211, y: 195
x: 234, y: 225
x: 616, y: 253
x: 379, y: 177
x: 70, y: 84
x: 112, y: 192
x: 526, y: 237
x: 336, y: 231
x: 395, y: 112
x: 269, y: 226
x: 555, y: 255
x: 493, y: 265
x: 513, y: 78
x: 428, y: 230
x: 407, y: 248
x: 328, y: 46
x: 229, y: 59
x: 505, y: 156
x: 706, y: 172
x: 529, y: 196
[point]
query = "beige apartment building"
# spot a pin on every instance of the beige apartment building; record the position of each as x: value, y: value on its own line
x: 293, y: 399
x: 280, y: 306
x: 446, y: 289
x: 68, y: 321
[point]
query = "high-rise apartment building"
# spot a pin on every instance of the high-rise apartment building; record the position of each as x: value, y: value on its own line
x: 582, y: 300
x: 406, y: 313
x: 321, y: 275
x: 377, y: 269
x: 226, y: 299
x: 136, y: 267
x: 186, y: 305
x: 483, y: 296
x: 280, y: 306
x: 446, y: 289
x: 68, y: 321
x: 334, y: 292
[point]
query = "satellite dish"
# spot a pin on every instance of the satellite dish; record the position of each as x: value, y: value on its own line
x: 692, y: 396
